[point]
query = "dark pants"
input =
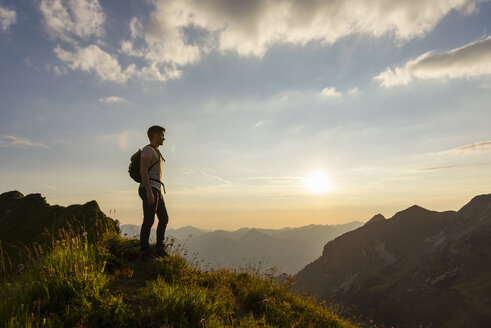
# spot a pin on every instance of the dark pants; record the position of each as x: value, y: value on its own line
x: 149, y: 211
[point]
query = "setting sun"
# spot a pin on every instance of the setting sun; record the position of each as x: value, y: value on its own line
x: 317, y: 182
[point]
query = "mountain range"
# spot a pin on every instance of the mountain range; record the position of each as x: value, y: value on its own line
x: 420, y: 267
x: 288, y: 249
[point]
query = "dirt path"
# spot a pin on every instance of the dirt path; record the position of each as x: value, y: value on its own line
x: 131, y: 281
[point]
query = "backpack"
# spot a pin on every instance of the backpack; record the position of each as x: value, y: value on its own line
x: 134, y: 167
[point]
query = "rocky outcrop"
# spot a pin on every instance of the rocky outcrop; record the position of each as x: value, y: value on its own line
x: 28, y: 219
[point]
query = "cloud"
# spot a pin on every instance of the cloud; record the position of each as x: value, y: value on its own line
x: 13, y: 141
x: 72, y: 18
x: 112, y: 99
x: 448, y: 167
x: 261, y: 123
x: 95, y: 60
x: 216, y: 177
x: 179, y: 33
x: 7, y: 18
x: 136, y: 28
x: 354, y: 91
x: 330, y: 92
x: 273, y: 178
x: 471, y: 60
x: 478, y: 147
x: 49, y: 186
x: 251, y: 27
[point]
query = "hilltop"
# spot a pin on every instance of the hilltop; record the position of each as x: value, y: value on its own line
x: 91, y: 279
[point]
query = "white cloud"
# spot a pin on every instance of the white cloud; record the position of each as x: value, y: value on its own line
x: 251, y: 27
x: 216, y: 177
x: 477, y: 147
x: 259, y: 124
x: 7, y: 18
x: 49, y: 186
x: 66, y: 19
x: 354, y: 91
x: 136, y: 28
x: 13, y: 141
x: 95, y: 60
x: 471, y: 60
x: 178, y: 33
x: 112, y: 99
x: 330, y: 92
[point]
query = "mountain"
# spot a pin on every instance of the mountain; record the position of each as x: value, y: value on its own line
x: 30, y: 219
x: 376, y: 218
x: 418, y: 267
x: 288, y: 249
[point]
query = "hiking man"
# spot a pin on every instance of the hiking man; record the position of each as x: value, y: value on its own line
x: 150, y: 192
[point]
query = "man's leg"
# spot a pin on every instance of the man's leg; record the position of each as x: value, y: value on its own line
x: 148, y: 217
x: 163, y: 220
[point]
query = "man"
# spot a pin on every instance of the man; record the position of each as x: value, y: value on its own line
x: 150, y: 192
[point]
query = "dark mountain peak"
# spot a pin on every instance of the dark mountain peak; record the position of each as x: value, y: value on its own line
x: 8, y: 195
x: 477, y: 207
x: 26, y: 218
x: 412, y: 211
x: 14, y: 200
x: 8, y: 200
x: 376, y: 218
x: 93, y: 205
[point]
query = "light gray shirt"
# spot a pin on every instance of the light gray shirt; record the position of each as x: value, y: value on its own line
x: 156, y: 171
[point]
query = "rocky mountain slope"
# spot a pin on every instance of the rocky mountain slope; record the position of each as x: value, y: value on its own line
x: 418, y: 267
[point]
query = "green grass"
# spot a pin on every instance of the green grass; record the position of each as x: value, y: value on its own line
x: 84, y: 283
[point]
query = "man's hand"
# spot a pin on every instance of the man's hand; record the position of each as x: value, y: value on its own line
x: 150, y: 198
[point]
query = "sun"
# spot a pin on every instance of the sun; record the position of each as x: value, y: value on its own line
x: 317, y: 182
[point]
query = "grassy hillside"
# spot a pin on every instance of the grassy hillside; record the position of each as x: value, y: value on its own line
x: 84, y: 282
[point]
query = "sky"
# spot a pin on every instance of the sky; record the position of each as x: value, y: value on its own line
x: 277, y: 113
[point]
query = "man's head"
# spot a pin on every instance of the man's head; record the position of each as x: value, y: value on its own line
x: 156, y: 134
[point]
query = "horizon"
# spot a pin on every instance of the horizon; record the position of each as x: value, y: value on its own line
x: 171, y: 227
x: 277, y: 115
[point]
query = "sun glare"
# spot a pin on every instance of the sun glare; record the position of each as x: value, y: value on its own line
x: 317, y: 182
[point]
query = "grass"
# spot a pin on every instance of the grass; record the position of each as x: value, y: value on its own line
x: 83, y: 283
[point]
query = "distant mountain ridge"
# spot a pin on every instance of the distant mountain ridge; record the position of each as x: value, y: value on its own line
x: 418, y: 267
x: 289, y: 249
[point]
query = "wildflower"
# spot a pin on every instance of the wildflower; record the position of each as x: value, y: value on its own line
x: 84, y: 233
x: 265, y: 300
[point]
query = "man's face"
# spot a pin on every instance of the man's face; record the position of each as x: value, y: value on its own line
x: 161, y: 138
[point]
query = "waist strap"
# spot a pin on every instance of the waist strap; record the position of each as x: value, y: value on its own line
x: 160, y: 183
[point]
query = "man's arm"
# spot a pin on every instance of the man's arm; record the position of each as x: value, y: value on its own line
x: 146, y: 157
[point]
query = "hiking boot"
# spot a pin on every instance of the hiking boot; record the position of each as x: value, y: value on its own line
x: 161, y: 253
x: 145, y: 256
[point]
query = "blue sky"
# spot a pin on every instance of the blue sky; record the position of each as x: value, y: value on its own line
x: 389, y: 101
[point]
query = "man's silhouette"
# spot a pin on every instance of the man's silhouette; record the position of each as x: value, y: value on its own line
x: 150, y: 192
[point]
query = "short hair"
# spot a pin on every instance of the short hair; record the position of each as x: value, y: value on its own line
x: 154, y: 129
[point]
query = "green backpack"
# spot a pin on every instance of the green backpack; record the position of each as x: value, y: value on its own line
x: 134, y: 167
